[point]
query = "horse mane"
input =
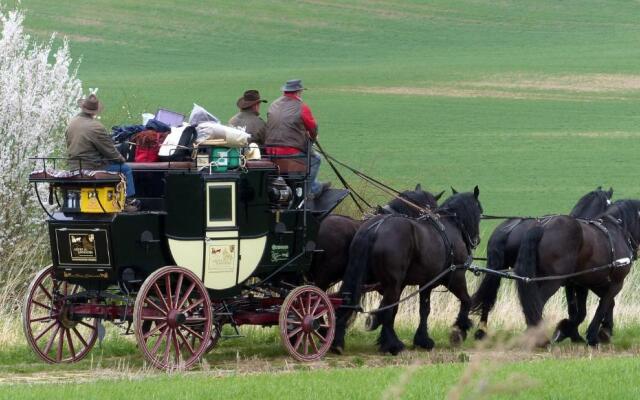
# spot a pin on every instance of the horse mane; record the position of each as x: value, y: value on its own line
x: 462, y: 204
x: 586, y: 207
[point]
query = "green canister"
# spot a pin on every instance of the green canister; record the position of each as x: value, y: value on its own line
x: 224, y: 158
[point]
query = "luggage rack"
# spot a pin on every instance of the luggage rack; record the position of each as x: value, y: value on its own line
x: 77, y: 179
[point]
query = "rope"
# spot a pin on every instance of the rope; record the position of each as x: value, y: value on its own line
x: 489, y: 217
x: 508, y: 273
x: 376, y: 183
x: 352, y: 192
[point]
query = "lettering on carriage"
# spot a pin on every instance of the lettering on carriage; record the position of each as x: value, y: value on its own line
x: 83, y: 247
x: 222, y: 259
x: 279, y: 252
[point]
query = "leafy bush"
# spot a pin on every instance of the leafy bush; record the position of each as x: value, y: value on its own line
x: 38, y: 93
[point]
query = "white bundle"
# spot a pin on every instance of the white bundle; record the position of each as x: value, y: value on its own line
x: 233, y: 137
x: 170, y: 144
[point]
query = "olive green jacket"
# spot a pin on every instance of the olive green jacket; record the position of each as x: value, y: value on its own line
x: 252, y: 124
x: 88, y: 141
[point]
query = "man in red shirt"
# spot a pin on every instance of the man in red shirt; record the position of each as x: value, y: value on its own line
x: 291, y: 128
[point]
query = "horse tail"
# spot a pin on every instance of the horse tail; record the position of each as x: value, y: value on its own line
x: 526, y: 266
x: 359, y: 254
x: 484, y: 299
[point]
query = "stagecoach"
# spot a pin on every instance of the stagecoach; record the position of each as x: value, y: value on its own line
x: 209, y: 247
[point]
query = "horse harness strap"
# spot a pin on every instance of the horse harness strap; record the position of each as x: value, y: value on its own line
x: 443, y: 234
x: 600, y: 226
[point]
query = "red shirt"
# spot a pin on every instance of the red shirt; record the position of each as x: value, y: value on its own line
x: 309, y: 123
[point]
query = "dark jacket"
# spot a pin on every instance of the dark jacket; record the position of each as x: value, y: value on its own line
x: 285, y: 126
x: 88, y: 141
x: 252, y: 123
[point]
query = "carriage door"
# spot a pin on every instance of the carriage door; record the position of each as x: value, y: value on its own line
x: 221, y: 237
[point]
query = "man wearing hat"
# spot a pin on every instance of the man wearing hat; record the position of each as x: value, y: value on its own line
x: 291, y: 128
x: 249, y: 116
x: 90, y: 147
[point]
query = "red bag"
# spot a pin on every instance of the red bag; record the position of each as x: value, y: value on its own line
x: 147, y: 145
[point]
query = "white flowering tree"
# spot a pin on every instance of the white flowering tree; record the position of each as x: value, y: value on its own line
x: 39, y: 89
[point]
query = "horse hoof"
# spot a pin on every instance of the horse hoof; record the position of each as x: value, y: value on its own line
x: 604, y: 336
x: 393, y: 348
x: 424, y: 343
x: 480, y: 334
x: 558, y: 336
x: 456, y: 337
x: 339, y: 350
x: 371, y: 323
x: 577, y: 339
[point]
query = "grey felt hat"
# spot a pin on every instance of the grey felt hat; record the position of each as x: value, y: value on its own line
x: 293, y: 85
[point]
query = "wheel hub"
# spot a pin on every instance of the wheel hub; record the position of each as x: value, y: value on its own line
x: 309, y: 324
x: 175, y: 318
x: 64, y: 318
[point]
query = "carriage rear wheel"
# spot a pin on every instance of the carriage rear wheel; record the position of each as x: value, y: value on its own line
x: 52, y: 332
x: 307, y: 323
x: 177, y: 304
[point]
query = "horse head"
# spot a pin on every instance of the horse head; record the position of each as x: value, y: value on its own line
x: 592, y: 204
x: 467, y: 210
x: 628, y: 213
x: 419, y: 197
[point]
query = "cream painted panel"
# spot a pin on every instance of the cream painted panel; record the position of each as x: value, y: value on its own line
x: 222, y: 234
x: 251, y: 251
x: 188, y: 254
x: 220, y: 263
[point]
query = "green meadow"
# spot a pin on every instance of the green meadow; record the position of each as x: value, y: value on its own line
x: 537, y: 102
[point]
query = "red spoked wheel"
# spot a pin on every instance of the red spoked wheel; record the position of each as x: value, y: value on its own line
x: 307, y: 323
x: 172, y: 316
x: 53, y: 334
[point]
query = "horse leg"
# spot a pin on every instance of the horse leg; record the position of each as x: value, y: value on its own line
x: 605, y: 307
x: 577, y: 305
x: 458, y: 286
x: 388, y: 341
x: 421, y: 338
x: 606, y: 331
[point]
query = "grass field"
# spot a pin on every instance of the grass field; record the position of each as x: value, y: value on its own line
x: 553, y: 379
x: 537, y: 102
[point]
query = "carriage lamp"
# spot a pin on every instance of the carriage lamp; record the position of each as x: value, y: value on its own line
x: 279, y: 192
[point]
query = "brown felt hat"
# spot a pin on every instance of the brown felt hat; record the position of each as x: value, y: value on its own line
x: 249, y: 98
x: 90, y: 105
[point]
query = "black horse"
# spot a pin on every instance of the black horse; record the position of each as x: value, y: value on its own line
x: 396, y: 251
x: 337, y: 231
x: 564, y: 245
x: 502, y: 252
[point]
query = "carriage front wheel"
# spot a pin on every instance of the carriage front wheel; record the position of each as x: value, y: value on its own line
x: 172, y: 316
x: 307, y: 323
x: 53, y: 333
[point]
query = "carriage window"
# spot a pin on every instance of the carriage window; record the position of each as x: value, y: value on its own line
x: 220, y: 199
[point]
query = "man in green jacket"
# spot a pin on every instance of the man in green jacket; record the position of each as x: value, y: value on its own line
x: 249, y: 116
x: 90, y: 147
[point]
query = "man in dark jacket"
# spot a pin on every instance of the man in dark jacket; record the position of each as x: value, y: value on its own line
x: 291, y: 128
x: 90, y: 147
x: 249, y: 116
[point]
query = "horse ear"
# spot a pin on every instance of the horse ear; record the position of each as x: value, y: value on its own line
x: 610, y: 192
x: 453, y: 190
x: 476, y: 191
x: 437, y: 197
x: 599, y: 188
x: 418, y: 187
